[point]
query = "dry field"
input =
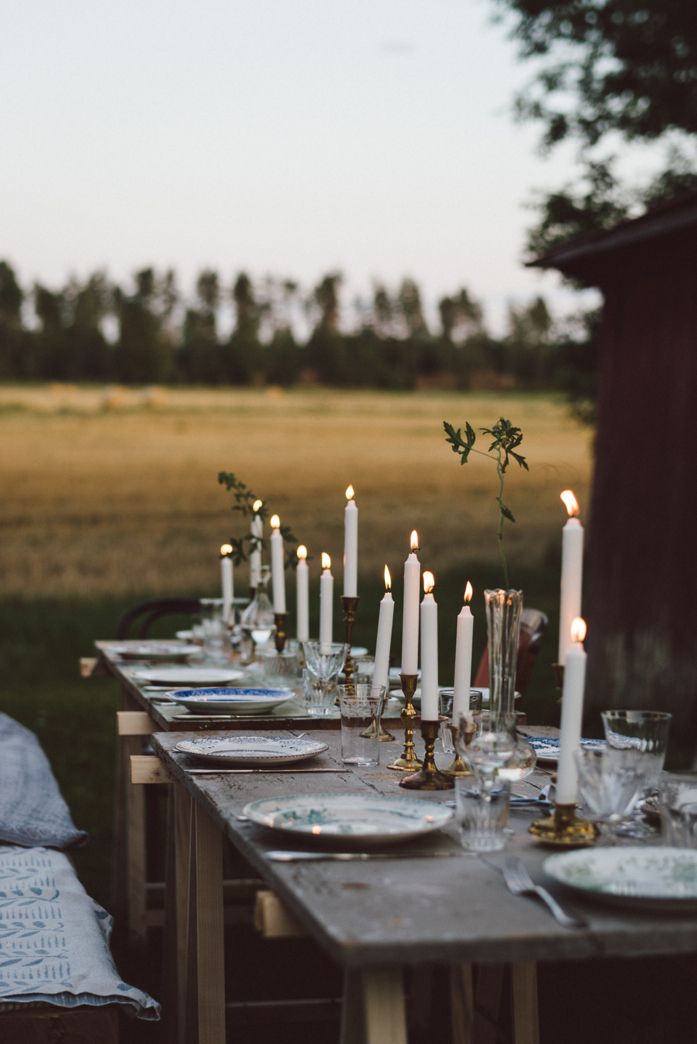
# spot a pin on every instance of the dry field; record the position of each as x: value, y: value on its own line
x: 116, y: 491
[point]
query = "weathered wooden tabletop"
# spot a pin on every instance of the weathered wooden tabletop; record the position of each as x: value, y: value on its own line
x: 408, y: 911
x: 169, y: 716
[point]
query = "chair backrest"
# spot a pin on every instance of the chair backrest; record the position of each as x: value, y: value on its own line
x: 137, y: 621
x: 533, y: 623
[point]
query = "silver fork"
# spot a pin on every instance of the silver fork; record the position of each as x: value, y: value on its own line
x: 519, y: 882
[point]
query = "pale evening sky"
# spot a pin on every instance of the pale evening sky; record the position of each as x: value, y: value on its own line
x: 290, y: 137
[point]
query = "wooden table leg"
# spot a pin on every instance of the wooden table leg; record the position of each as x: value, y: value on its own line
x: 205, y: 985
x: 526, y: 1024
x: 462, y: 1003
x: 176, y: 934
x: 373, y: 1009
x: 129, y: 863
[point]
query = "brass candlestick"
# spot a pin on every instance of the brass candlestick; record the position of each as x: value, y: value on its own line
x: 408, y: 762
x: 458, y: 767
x: 564, y: 829
x: 280, y: 619
x: 429, y: 776
x: 350, y: 604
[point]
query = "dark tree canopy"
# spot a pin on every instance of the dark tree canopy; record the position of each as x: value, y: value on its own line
x: 609, y: 71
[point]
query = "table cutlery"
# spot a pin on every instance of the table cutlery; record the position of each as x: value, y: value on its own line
x: 349, y: 857
x: 519, y: 882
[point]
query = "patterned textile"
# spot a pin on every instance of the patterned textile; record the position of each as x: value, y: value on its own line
x: 54, y: 939
x: 32, y: 810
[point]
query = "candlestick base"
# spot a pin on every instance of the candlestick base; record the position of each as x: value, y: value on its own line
x: 564, y: 829
x: 280, y: 619
x: 458, y: 767
x: 408, y: 761
x: 558, y: 669
x: 429, y: 776
x: 350, y: 606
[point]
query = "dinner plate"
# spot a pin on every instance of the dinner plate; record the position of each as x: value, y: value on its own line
x: 188, y: 675
x: 185, y: 636
x: 653, y: 878
x: 358, y: 819
x: 231, y: 701
x: 154, y: 650
x: 251, y: 750
x: 547, y: 749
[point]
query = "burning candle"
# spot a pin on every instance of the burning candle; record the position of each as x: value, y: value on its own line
x: 463, y: 659
x: 326, y: 599
x: 257, y: 531
x: 384, y: 637
x: 350, y: 545
x: 410, y: 610
x: 227, y: 580
x: 571, y: 573
x: 571, y: 714
x: 302, y: 595
x: 430, y: 705
x: 278, y: 576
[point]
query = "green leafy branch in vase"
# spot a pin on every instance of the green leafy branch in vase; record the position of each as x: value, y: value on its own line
x: 506, y: 439
x: 244, y: 501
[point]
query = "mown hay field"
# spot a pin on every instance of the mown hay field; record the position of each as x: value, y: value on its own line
x: 115, y: 491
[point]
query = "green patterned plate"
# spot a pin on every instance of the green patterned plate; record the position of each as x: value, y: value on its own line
x: 358, y: 819
x: 657, y: 878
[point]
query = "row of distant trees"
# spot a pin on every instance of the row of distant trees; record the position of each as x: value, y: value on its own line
x: 270, y: 332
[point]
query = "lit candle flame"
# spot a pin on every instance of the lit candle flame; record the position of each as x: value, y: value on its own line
x: 257, y: 506
x: 316, y: 830
x: 414, y: 540
x: 469, y: 591
x: 429, y: 581
x: 225, y: 550
x: 301, y: 552
x: 388, y: 580
x: 570, y: 502
x: 350, y: 492
x: 578, y: 629
x: 275, y: 522
x: 326, y: 561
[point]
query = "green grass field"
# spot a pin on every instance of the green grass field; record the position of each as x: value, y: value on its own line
x: 109, y: 499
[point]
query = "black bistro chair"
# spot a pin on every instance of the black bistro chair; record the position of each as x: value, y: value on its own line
x: 138, y: 621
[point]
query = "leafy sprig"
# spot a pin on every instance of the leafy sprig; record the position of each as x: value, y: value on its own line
x: 506, y: 438
x: 244, y: 499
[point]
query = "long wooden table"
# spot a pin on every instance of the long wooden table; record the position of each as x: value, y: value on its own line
x: 143, y: 711
x: 378, y: 918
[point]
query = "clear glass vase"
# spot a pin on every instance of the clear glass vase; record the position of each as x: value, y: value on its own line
x: 503, y: 611
x: 257, y: 622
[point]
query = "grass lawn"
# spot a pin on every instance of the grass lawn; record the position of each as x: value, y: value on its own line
x: 104, y: 506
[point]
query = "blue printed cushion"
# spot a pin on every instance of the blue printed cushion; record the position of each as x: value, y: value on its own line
x: 54, y: 939
x: 32, y: 809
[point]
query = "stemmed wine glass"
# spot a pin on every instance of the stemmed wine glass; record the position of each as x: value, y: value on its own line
x: 609, y: 786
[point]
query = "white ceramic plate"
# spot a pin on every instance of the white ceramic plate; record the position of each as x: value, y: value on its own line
x: 144, y: 649
x: 358, y: 819
x: 184, y: 636
x: 187, y: 675
x: 251, y: 750
x: 657, y: 878
x: 231, y: 701
x: 547, y: 750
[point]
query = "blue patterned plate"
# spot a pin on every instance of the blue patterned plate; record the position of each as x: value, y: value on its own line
x: 547, y: 749
x: 231, y: 700
x: 353, y: 819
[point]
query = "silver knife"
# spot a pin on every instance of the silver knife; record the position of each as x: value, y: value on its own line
x: 283, y: 856
x: 260, y: 771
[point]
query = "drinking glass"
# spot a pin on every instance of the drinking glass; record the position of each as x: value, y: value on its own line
x: 677, y: 808
x: 323, y: 664
x: 638, y: 736
x: 280, y: 668
x: 608, y: 787
x: 482, y: 813
x: 361, y: 707
x: 216, y: 646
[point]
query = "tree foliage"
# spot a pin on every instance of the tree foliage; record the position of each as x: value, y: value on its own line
x: 608, y: 71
